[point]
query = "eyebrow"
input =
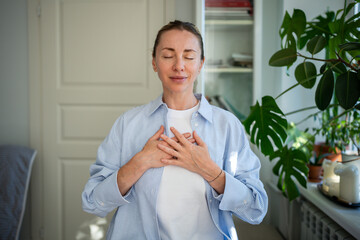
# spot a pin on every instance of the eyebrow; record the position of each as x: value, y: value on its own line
x: 173, y: 50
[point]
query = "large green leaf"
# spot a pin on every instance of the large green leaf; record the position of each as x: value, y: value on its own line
x: 337, y: 66
x: 347, y: 89
x: 324, y: 90
x: 291, y: 27
x: 264, y: 123
x: 305, y: 74
x: 298, y: 22
x: 319, y: 26
x: 350, y: 46
x: 283, y: 57
x: 323, y: 68
x: 316, y: 44
x: 291, y: 165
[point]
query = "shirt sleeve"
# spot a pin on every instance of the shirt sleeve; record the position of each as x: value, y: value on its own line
x: 101, y: 193
x: 244, y: 193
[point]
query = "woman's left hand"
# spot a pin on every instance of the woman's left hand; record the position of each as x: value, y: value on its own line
x: 195, y: 158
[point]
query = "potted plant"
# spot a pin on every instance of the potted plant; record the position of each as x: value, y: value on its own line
x: 330, y: 131
x: 267, y: 124
x: 315, y: 166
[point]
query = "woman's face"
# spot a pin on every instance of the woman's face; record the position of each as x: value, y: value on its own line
x: 178, y: 61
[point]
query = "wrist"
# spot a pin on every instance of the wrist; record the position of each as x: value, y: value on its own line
x: 138, y: 164
x: 210, y: 174
x: 217, y: 176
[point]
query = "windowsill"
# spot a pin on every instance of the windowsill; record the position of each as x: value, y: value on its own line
x: 346, y: 217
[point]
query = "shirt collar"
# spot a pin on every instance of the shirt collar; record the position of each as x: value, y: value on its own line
x: 205, y: 108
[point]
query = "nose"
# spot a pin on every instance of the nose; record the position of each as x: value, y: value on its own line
x: 178, y: 64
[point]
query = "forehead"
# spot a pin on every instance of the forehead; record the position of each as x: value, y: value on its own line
x: 179, y: 39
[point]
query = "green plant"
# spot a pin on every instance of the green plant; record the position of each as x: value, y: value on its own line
x: 341, y: 133
x: 337, y: 91
x: 349, y: 131
x: 315, y: 160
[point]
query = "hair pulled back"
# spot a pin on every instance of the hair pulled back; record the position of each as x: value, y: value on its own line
x: 179, y: 25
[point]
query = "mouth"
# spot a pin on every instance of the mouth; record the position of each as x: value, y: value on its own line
x: 178, y: 78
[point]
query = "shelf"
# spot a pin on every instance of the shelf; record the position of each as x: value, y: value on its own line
x: 229, y: 22
x: 228, y: 70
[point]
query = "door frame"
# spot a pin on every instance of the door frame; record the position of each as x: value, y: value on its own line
x: 35, y: 118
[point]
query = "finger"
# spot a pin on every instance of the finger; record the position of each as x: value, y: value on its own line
x: 191, y: 140
x: 158, y: 133
x: 168, y: 150
x: 164, y: 143
x: 171, y: 142
x: 179, y: 136
x: 171, y: 162
x: 198, y: 140
x: 186, y: 135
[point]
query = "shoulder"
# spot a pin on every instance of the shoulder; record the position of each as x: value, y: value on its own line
x: 224, y: 116
x: 134, y: 114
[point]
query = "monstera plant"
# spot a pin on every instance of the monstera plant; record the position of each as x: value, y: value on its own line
x: 337, y: 84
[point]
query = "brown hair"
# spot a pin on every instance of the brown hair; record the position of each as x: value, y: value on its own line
x: 179, y: 25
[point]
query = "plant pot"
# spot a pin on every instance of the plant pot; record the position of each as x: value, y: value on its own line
x: 314, y: 173
x: 322, y: 148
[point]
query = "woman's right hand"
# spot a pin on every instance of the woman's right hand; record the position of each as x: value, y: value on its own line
x: 150, y: 155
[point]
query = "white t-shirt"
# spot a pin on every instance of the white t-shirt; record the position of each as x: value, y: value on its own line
x: 181, y: 205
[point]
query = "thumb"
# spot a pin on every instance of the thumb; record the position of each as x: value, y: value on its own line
x: 157, y: 135
x: 198, y: 140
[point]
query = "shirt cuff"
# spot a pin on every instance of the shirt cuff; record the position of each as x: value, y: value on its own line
x: 107, y: 195
x: 237, y: 195
x: 216, y: 195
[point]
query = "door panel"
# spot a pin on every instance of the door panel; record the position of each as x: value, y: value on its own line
x: 95, y: 64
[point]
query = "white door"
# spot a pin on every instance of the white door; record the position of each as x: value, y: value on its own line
x: 95, y: 63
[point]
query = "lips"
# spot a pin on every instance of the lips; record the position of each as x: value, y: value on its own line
x: 178, y: 78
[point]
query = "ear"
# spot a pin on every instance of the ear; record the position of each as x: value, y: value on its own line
x: 154, y: 65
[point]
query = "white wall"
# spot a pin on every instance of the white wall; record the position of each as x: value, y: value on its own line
x: 14, y: 97
x: 14, y: 109
x: 270, y: 77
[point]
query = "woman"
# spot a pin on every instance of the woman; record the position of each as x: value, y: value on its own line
x: 176, y: 168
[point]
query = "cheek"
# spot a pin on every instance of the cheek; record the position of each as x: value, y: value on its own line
x: 195, y: 68
x: 163, y: 66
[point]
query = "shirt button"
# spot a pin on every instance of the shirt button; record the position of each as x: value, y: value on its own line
x: 196, y: 114
x: 196, y: 124
x: 245, y: 202
x: 101, y: 203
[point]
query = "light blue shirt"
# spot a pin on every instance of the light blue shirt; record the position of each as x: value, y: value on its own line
x: 136, y: 215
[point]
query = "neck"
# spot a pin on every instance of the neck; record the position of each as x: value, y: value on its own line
x: 180, y: 101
